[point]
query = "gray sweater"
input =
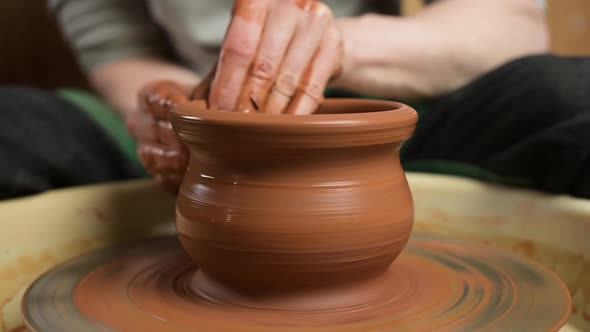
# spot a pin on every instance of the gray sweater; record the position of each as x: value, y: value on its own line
x: 188, y: 31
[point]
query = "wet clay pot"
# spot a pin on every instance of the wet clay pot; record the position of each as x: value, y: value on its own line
x: 295, y: 212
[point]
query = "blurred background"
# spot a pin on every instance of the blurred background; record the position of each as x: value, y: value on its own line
x: 33, y: 52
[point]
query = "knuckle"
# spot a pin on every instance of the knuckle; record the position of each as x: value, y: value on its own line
x: 143, y: 152
x: 224, y: 97
x: 287, y: 83
x: 176, y: 96
x: 163, y: 99
x: 240, y: 49
x: 224, y: 91
x: 305, y: 5
x: 153, y: 97
x: 263, y: 69
x: 321, y: 11
x: 163, y: 104
x: 173, y: 99
x: 164, y: 126
x: 298, y: 3
x: 314, y: 90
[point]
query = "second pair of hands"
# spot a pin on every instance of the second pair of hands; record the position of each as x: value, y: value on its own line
x: 277, y: 57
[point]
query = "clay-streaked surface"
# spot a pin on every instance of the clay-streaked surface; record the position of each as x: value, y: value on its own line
x: 275, y: 202
x: 549, y: 229
x: 435, y: 285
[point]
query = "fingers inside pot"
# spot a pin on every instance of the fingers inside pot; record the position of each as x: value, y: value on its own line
x: 303, y: 47
x: 160, y: 97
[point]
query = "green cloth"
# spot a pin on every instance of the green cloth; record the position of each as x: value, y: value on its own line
x: 106, y: 118
x: 115, y: 127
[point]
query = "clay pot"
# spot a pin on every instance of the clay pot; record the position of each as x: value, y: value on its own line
x: 291, y: 207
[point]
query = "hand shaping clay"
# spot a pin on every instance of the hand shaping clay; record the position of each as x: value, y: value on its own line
x: 295, y: 207
x: 292, y: 224
x: 436, y: 284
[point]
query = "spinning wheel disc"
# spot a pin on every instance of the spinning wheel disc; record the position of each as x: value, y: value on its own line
x: 435, y: 285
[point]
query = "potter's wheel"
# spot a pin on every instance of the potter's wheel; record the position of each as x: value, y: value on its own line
x: 435, y: 285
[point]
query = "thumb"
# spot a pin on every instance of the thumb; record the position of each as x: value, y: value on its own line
x: 201, y: 91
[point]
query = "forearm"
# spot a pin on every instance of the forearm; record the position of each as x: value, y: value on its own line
x: 440, y: 49
x: 119, y: 82
x: 120, y: 47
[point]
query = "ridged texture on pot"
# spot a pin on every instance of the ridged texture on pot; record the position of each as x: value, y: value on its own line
x: 287, y: 202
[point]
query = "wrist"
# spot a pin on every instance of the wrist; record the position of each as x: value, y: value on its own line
x: 120, y: 82
x: 355, y: 53
x: 389, y: 56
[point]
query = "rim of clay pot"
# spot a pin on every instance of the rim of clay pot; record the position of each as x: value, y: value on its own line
x: 338, y: 122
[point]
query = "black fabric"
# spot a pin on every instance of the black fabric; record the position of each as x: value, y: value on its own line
x: 47, y: 143
x: 529, y: 118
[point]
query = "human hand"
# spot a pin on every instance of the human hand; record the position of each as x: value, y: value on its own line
x: 164, y: 157
x: 277, y: 57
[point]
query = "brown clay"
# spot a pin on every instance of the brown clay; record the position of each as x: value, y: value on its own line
x: 283, y: 204
x: 436, y: 284
x: 294, y: 222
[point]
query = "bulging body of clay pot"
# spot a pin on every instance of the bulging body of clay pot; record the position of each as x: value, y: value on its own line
x: 294, y: 204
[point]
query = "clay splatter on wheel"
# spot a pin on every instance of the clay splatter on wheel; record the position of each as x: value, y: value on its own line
x: 435, y: 285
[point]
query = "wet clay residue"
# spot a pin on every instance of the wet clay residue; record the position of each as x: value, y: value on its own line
x: 435, y: 285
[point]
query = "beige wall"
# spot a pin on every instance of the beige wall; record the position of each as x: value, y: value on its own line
x: 569, y: 23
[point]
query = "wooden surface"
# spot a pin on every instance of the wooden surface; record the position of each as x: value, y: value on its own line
x: 40, y: 231
x: 569, y: 21
x: 34, y: 53
x: 410, y: 7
